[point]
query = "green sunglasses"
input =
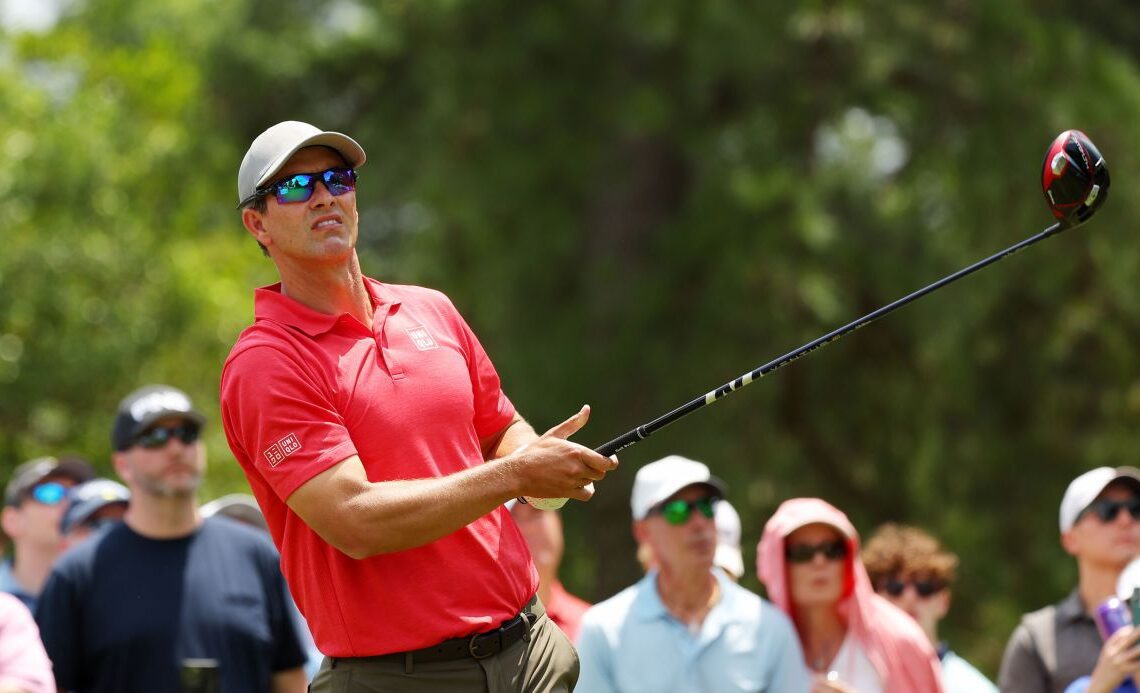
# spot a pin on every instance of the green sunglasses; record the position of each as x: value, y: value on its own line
x: 678, y: 512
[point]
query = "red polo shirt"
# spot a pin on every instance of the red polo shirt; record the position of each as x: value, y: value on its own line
x: 302, y: 390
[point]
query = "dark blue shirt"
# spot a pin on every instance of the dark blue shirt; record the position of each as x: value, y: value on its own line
x: 122, y: 612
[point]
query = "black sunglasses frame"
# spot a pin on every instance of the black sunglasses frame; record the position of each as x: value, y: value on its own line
x: 923, y: 588
x: 158, y: 436
x: 678, y: 512
x: 278, y: 189
x: 1107, y: 510
x: 805, y: 553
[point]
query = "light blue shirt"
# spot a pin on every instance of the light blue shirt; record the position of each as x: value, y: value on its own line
x: 631, y: 643
x: 9, y: 584
x: 959, y: 676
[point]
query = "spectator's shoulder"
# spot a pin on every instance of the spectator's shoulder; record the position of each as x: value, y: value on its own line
x: 615, y: 609
x: 238, y: 534
x: 98, y: 544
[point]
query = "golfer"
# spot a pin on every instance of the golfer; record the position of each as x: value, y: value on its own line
x: 377, y: 439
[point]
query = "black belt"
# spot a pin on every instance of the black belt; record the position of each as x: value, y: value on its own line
x: 478, y: 646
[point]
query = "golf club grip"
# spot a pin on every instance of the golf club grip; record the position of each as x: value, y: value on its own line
x: 610, y: 448
x: 644, y: 431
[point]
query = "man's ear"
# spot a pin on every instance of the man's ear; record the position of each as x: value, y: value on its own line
x: 640, y: 531
x: 254, y: 223
x: 1071, y: 542
x: 943, y: 603
x: 12, y: 521
x: 119, y: 461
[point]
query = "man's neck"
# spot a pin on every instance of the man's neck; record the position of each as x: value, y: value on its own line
x: 163, y: 517
x: 31, y: 567
x: 333, y: 289
x: 1097, y: 583
x: 688, y: 595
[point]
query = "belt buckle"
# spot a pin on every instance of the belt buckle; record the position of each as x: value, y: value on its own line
x: 473, y: 645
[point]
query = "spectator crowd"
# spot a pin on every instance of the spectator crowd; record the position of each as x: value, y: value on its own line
x: 401, y: 531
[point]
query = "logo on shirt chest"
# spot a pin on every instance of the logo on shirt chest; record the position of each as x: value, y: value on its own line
x: 275, y: 454
x: 421, y: 338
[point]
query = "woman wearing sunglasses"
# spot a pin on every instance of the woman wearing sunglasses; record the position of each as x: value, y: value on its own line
x: 853, y: 639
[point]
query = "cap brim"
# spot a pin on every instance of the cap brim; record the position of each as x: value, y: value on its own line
x: 730, y: 559
x: 152, y: 417
x: 87, y: 509
x: 348, y: 148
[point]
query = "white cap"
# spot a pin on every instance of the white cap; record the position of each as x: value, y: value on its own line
x: 272, y: 149
x: 1085, y: 488
x: 658, y: 480
x: 1129, y: 579
x: 728, y: 554
x: 236, y: 506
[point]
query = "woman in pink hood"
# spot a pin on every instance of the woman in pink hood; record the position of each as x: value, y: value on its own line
x: 853, y: 639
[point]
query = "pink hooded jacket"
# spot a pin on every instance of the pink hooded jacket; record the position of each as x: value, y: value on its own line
x: 893, y: 641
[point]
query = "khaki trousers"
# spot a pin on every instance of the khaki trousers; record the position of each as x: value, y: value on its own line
x: 547, y: 663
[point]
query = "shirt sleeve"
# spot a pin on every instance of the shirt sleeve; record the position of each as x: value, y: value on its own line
x: 58, y: 613
x: 23, y: 662
x: 280, y: 420
x: 1021, y: 668
x: 595, y: 660
x: 493, y: 410
x: 789, y: 672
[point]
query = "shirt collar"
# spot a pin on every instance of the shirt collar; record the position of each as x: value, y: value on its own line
x: 1071, y: 608
x: 647, y: 605
x: 270, y: 304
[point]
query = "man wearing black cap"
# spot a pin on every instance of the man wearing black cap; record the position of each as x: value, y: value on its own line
x: 378, y: 441
x: 33, y: 504
x: 164, y: 588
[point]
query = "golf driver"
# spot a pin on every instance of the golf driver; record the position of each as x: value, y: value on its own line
x: 1074, y: 179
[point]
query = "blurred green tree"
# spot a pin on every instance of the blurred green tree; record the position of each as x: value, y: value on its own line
x: 631, y: 203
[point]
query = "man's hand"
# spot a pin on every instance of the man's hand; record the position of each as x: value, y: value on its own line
x: 552, y: 466
x: 1119, y: 658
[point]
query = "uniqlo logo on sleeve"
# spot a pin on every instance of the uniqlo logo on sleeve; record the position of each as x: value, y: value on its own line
x: 275, y: 454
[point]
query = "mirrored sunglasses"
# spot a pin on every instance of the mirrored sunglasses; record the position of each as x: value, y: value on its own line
x: 299, y: 187
x: 924, y: 588
x: 1106, y: 509
x: 678, y: 512
x: 159, y: 436
x: 804, y: 553
x: 48, y: 493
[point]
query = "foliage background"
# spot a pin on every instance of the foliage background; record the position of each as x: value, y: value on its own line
x: 631, y: 202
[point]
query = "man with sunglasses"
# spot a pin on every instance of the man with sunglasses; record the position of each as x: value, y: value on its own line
x: 33, y: 505
x: 378, y: 441
x: 132, y: 606
x: 685, y: 626
x: 913, y: 571
x: 1100, y: 528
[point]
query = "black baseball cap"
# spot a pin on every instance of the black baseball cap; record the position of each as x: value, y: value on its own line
x: 32, y: 472
x: 146, y: 405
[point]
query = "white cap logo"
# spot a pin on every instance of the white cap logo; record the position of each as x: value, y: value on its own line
x: 159, y: 401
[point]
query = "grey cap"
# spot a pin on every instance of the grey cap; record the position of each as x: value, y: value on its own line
x: 236, y: 506
x: 272, y: 149
x: 89, y: 498
x: 34, y: 471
